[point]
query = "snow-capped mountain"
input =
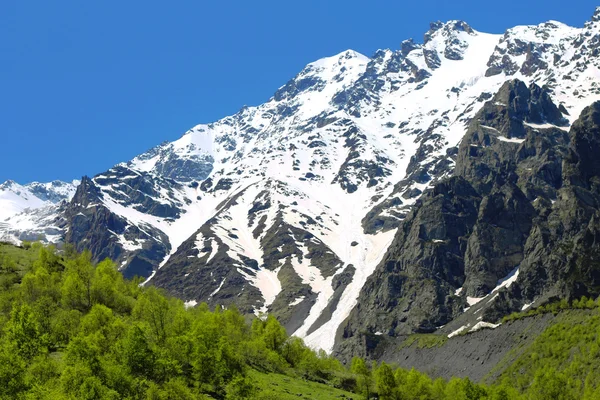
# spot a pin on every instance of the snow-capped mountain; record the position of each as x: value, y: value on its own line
x: 288, y: 207
x: 27, y: 211
x: 16, y: 198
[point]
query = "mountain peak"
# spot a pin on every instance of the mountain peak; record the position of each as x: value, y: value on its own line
x: 447, y: 28
x: 596, y: 16
x: 407, y: 46
x: 333, y: 72
x: 7, y: 184
x: 447, y: 40
x: 339, y: 58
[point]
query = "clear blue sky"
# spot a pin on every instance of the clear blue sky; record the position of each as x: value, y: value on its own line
x: 87, y: 84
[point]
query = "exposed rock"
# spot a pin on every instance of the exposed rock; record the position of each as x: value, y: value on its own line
x: 466, y: 234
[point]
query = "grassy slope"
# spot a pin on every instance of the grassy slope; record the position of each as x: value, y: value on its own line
x: 14, y: 262
x: 571, y: 344
x: 287, y: 388
x: 23, y: 257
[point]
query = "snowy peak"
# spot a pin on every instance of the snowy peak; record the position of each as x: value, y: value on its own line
x: 316, y: 76
x: 55, y: 191
x: 596, y: 16
x: 16, y: 198
x: 31, y: 212
x: 186, y: 159
x: 531, y: 49
x: 447, y: 29
x: 313, y: 88
x: 446, y: 41
x: 348, y: 59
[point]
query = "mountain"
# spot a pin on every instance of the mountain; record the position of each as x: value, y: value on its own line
x: 28, y: 212
x: 380, y: 195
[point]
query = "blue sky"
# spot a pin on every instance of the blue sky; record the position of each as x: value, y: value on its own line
x: 88, y: 84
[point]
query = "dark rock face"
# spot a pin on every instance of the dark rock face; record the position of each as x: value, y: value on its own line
x: 90, y: 225
x: 139, y: 191
x: 482, y: 152
x: 424, y: 261
x: 562, y: 256
x: 185, y: 170
x: 525, y: 199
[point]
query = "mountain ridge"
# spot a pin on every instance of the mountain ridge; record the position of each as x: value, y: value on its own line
x: 290, y: 206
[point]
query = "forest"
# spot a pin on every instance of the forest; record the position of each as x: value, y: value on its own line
x: 73, y: 329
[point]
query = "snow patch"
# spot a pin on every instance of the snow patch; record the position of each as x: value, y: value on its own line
x: 508, y: 280
x: 459, y: 331
x: 483, y: 325
x: 510, y: 140
x: 474, y: 300
x: 190, y: 303
x: 219, y: 288
x: 297, y: 301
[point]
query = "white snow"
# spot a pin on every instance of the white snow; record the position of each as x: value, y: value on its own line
x: 269, y: 285
x: 190, y: 303
x: 505, y: 282
x: 508, y: 280
x: 311, y: 276
x: 474, y: 300
x: 510, y: 140
x: 546, y: 126
x: 219, y: 288
x: 214, y: 247
x: 459, y: 331
x: 483, y: 325
x: 297, y: 301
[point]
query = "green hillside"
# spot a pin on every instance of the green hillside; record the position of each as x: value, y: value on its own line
x: 73, y: 330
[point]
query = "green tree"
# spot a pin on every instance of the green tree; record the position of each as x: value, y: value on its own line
x: 24, y: 331
x: 550, y: 384
x: 386, y: 383
x: 12, y: 370
x: 240, y: 388
x: 365, y: 380
x: 153, y: 308
x: 76, y: 288
x: 274, y: 334
x: 138, y: 354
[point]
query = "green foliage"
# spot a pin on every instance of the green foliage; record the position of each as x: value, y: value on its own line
x: 364, y: 377
x: 70, y: 329
x: 386, y: 383
x: 562, y: 360
x: 554, y: 308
